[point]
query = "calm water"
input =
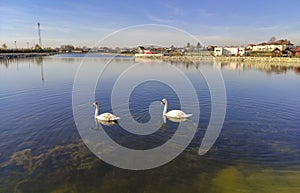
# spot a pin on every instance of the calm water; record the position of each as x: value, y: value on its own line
x: 41, y: 150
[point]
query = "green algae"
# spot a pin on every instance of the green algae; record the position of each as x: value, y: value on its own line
x: 72, y: 168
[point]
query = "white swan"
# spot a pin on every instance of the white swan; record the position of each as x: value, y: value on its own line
x: 174, y: 113
x: 104, y: 116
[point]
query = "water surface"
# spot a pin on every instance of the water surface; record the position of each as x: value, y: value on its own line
x: 41, y: 150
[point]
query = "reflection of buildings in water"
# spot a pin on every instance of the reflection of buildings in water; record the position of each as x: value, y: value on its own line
x: 297, y: 70
x: 276, y: 70
x: 184, y: 64
x: 268, y: 68
x: 147, y: 61
x: 229, y: 66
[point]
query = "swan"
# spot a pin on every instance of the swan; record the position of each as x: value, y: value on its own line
x: 178, y: 120
x: 174, y: 113
x: 104, y: 116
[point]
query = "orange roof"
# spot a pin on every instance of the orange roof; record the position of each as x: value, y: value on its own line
x: 278, y: 42
x: 297, y: 49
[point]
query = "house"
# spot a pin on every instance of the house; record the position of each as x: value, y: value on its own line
x: 218, y: 51
x: 211, y: 48
x: 250, y: 46
x: 229, y: 51
x: 297, y: 51
x: 279, y: 45
x: 142, y: 50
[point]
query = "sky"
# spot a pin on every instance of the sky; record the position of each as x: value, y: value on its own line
x: 218, y: 22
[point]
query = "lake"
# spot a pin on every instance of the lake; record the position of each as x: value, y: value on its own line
x: 46, y: 146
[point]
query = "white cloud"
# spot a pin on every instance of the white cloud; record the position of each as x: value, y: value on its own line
x: 157, y: 19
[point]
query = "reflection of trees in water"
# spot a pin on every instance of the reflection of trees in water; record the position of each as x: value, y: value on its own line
x: 276, y: 69
x: 5, y: 62
x: 38, y: 60
x: 280, y: 69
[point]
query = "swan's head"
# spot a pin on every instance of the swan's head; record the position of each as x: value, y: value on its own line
x: 164, y: 101
x: 95, y: 104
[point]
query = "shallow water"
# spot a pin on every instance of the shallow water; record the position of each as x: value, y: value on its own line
x: 258, y: 149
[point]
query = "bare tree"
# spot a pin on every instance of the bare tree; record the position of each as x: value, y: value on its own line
x: 272, y: 39
x: 4, y: 46
x: 198, y: 45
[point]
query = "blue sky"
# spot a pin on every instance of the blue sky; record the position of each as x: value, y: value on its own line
x: 86, y: 22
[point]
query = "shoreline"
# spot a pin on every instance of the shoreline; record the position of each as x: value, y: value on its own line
x: 271, y: 61
x: 280, y: 60
x: 275, y: 61
x: 25, y: 55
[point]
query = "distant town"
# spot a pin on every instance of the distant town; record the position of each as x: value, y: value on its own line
x: 271, y: 48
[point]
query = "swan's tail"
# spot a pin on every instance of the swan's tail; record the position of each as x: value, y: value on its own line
x: 187, y: 116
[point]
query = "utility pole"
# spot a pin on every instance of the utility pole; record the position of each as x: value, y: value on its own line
x: 39, y: 32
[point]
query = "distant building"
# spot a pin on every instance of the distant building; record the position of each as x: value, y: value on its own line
x: 229, y: 51
x: 141, y: 49
x: 77, y: 51
x: 211, y: 48
x: 218, y: 51
x: 66, y: 48
x: 279, y: 45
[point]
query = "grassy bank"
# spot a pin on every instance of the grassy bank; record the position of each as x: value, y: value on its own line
x: 270, y: 60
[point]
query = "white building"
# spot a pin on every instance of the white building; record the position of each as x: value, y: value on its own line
x: 270, y: 47
x: 218, y: 51
x: 229, y: 51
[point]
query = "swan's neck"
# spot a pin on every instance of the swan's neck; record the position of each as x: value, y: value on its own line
x: 96, y: 110
x: 165, y: 108
x: 164, y: 119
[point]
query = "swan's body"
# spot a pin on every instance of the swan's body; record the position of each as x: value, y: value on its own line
x: 174, y: 113
x: 176, y: 120
x: 104, y: 116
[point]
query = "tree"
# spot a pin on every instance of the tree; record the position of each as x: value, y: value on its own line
x: 198, y: 45
x: 4, y: 46
x: 37, y: 47
x: 67, y: 47
x: 272, y: 39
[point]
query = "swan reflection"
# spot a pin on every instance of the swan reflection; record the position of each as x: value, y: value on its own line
x: 105, y: 123
x: 175, y: 120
